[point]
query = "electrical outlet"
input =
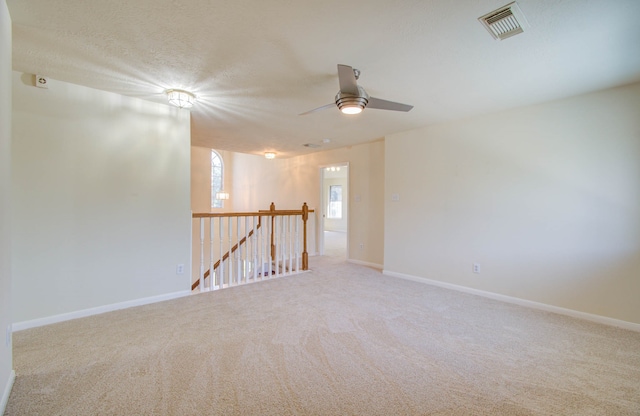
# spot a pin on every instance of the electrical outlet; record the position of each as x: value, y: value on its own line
x: 41, y: 81
x: 180, y: 269
x: 476, y: 267
x: 361, y: 246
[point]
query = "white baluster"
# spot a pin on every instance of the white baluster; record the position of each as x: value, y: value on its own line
x: 297, y: 244
x: 238, y: 252
x: 230, y: 258
x: 264, y: 232
x: 247, y: 253
x: 259, y: 249
x: 211, y: 278
x: 201, y: 278
x: 276, y: 231
x: 283, y: 244
x: 221, y: 266
x: 290, y: 244
x: 254, y: 248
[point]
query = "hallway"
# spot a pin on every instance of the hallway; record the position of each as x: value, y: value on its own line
x: 335, y: 244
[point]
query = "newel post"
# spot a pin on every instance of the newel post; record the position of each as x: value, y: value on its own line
x: 272, y: 208
x: 305, y: 255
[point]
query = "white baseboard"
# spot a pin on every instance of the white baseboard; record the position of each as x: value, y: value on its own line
x: 7, y: 392
x: 365, y: 263
x: 522, y: 302
x: 19, y: 326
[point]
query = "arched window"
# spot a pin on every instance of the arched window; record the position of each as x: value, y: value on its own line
x: 217, y: 170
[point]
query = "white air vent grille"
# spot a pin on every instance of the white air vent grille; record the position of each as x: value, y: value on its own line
x: 505, y: 22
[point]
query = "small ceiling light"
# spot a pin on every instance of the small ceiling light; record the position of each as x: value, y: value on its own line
x: 222, y: 195
x: 181, y: 98
x: 269, y: 155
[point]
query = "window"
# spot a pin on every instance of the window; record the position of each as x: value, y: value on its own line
x: 216, y: 178
x: 335, y: 202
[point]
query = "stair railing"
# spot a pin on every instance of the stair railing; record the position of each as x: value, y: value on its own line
x: 244, y: 247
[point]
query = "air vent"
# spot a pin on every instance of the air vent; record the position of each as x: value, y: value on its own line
x: 505, y: 22
x: 311, y: 145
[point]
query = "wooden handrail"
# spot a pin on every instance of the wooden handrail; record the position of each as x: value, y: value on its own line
x: 247, y: 214
x: 272, y: 212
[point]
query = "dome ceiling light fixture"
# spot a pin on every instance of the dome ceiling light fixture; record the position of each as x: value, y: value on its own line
x: 180, y: 98
x: 270, y: 155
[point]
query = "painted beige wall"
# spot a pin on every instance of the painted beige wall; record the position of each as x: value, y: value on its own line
x: 101, y: 199
x: 5, y: 202
x: 366, y: 182
x: 256, y: 182
x: 546, y: 198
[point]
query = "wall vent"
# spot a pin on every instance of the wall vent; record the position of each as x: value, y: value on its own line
x: 505, y: 22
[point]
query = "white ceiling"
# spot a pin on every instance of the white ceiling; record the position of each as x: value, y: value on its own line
x: 256, y: 64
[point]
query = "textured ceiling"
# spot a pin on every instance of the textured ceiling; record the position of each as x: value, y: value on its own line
x: 256, y: 64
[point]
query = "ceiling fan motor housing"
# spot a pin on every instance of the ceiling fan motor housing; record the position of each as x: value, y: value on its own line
x: 352, y: 100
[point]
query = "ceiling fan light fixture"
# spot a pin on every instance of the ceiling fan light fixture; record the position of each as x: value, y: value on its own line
x: 353, y: 99
x: 350, y: 103
x: 181, y: 98
x: 351, y: 109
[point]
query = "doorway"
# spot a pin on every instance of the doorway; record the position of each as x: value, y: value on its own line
x: 334, y: 224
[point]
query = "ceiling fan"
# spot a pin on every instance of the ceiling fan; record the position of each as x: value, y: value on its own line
x: 352, y: 99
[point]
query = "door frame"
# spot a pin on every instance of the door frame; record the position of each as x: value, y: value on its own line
x: 323, y: 205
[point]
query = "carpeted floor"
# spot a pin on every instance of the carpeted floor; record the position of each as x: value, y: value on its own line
x: 335, y: 245
x: 340, y: 340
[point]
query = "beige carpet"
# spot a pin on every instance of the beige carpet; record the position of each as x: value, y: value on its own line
x: 340, y: 340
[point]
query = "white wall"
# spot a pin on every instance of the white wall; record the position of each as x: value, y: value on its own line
x: 545, y: 198
x: 101, y: 188
x: 5, y: 203
x: 256, y: 182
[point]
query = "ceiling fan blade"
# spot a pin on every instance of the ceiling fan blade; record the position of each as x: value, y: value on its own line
x: 347, y: 78
x: 324, y: 107
x: 387, y: 105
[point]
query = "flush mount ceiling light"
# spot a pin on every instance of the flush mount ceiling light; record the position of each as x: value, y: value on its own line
x: 505, y: 21
x: 181, y: 98
x: 269, y: 155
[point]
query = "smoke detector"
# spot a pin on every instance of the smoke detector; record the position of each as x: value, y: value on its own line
x: 505, y: 22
